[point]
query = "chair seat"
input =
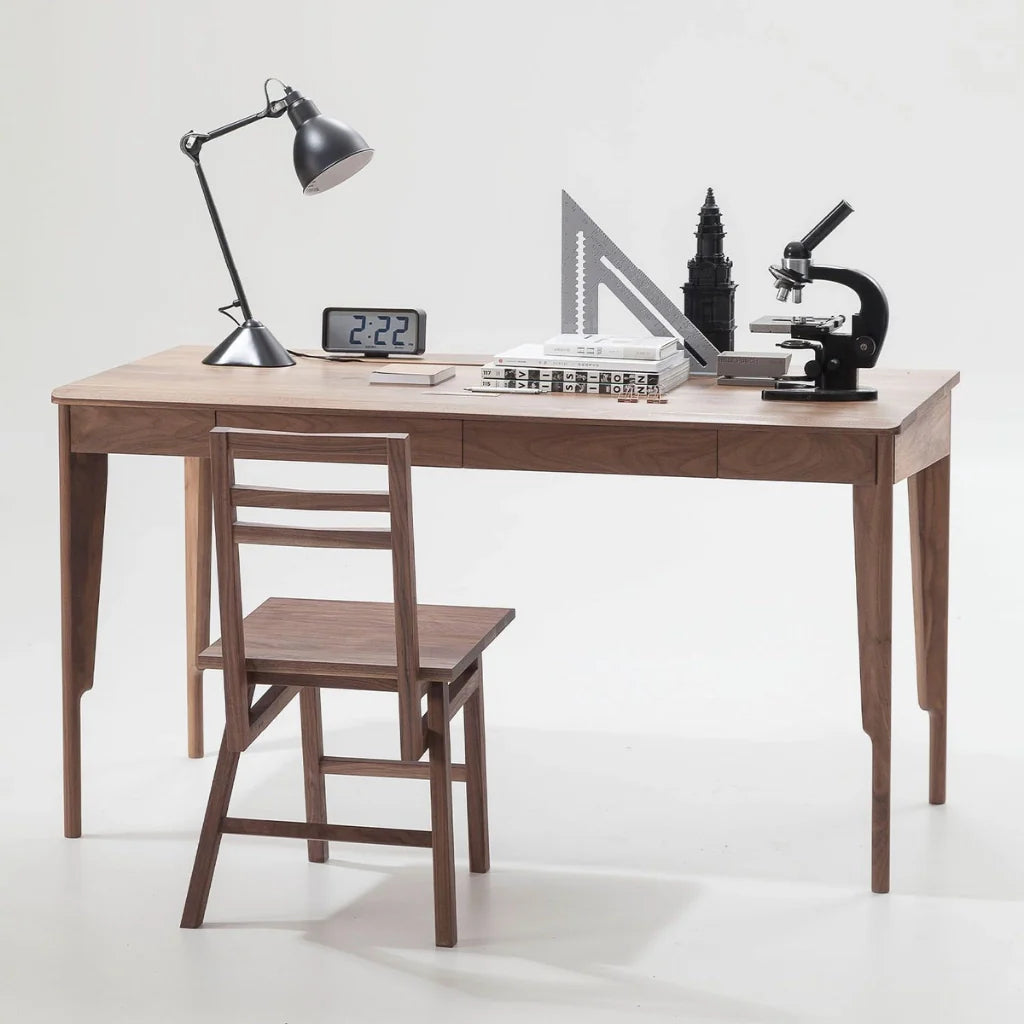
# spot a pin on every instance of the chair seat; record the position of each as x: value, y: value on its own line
x: 357, y: 638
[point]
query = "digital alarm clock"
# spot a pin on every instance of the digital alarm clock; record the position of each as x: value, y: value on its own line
x: 374, y: 332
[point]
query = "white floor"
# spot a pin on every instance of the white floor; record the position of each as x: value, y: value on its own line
x: 679, y: 818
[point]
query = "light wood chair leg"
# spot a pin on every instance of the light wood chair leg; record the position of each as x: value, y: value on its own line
x: 209, y: 837
x: 441, y: 823
x: 315, y: 783
x: 198, y: 561
x: 476, y: 782
x: 83, y: 500
x: 929, y: 558
x: 872, y: 520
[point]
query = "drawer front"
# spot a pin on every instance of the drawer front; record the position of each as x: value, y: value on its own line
x: 797, y: 455
x: 434, y: 442
x: 149, y: 431
x: 567, y: 447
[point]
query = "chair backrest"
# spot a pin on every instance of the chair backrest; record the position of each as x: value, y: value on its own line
x: 228, y: 444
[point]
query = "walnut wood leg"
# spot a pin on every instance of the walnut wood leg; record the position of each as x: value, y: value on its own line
x: 872, y: 520
x: 83, y: 500
x: 929, y: 557
x: 476, y: 782
x: 198, y: 558
x: 209, y: 837
x: 441, y: 824
x: 312, y: 751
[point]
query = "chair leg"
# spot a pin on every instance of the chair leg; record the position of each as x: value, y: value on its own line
x: 209, y: 837
x: 312, y: 752
x: 442, y: 827
x: 476, y: 782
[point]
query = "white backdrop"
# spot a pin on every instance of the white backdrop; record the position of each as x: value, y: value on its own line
x: 480, y: 115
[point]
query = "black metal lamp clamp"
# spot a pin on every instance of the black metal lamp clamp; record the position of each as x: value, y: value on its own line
x: 831, y: 374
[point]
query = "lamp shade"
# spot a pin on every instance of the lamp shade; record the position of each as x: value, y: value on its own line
x: 326, y: 152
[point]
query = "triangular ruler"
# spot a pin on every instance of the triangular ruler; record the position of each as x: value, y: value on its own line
x: 591, y: 259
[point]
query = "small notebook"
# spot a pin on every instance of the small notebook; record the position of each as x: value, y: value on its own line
x: 426, y: 376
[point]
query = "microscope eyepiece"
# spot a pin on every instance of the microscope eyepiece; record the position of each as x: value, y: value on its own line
x: 826, y: 225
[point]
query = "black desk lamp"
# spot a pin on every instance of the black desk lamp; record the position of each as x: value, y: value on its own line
x: 326, y: 152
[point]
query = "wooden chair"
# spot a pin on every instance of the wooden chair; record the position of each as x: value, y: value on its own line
x: 298, y: 647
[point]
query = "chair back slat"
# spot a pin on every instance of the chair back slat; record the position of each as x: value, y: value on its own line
x: 228, y: 444
x: 310, y: 537
x: 312, y: 501
x: 280, y: 446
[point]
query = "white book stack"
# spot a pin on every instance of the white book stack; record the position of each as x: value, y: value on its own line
x: 591, y: 364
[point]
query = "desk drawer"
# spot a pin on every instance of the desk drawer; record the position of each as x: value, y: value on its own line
x: 434, y: 442
x: 151, y: 431
x: 797, y: 455
x: 566, y: 447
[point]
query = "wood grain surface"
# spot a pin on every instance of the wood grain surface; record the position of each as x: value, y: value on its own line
x: 178, y: 377
x: 83, y: 503
x: 209, y: 837
x: 123, y: 431
x: 434, y: 442
x: 442, y: 826
x: 929, y: 556
x: 198, y: 562
x: 560, y: 447
x: 841, y: 458
x: 924, y: 440
x: 872, y: 542
x: 312, y: 637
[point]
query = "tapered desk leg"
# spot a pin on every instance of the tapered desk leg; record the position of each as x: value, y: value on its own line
x: 929, y: 557
x: 83, y: 499
x: 872, y: 528
x: 198, y: 552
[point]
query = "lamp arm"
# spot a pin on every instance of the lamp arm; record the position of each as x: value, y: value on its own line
x: 192, y: 142
x: 191, y: 145
x: 236, y: 281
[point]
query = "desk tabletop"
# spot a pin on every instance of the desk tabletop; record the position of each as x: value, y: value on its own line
x: 177, y: 378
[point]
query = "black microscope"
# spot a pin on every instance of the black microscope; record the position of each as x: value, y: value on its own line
x: 831, y: 374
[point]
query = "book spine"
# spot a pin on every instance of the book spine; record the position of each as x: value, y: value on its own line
x: 540, y: 373
x: 534, y: 362
x: 609, y: 350
x: 564, y: 387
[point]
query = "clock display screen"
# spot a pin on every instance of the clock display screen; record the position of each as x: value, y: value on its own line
x: 372, y: 330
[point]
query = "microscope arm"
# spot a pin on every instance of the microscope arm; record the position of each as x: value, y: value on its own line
x: 872, y: 320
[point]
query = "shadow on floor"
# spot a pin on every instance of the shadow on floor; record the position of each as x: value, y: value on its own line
x: 794, y: 811
x: 785, y: 812
x: 530, y: 935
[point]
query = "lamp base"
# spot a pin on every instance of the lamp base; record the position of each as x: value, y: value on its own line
x: 250, y: 344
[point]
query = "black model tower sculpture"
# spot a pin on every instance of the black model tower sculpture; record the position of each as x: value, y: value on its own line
x: 710, y: 293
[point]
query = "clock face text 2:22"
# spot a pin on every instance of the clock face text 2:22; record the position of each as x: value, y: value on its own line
x: 365, y: 330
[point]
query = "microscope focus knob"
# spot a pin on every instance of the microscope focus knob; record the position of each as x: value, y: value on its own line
x: 866, y: 346
x: 813, y: 369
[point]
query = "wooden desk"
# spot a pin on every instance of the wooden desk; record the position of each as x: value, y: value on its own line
x: 166, y: 405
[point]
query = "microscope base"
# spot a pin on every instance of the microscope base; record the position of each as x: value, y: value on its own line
x: 809, y: 393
